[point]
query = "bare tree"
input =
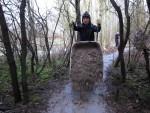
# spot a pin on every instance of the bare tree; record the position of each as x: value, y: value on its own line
x: 10, y: 56
x: 32, y: 38
x: 126, y: 4
x: 45, y: 30
x: 23, y: 51
x: 147, y: 66
x: 78, y: 15
x: 71, y: 34
x: 148, y: 4
x: 146, y: 53
x: 121, y: 47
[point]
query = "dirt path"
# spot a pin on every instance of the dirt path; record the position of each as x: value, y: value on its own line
x: 68, y: 101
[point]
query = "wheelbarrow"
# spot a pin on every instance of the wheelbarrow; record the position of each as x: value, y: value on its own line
x: 86, y: 65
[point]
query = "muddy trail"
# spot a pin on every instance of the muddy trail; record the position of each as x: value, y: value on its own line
x: 68, y: 101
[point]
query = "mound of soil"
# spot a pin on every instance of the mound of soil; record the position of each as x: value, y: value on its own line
x: 86, y: 63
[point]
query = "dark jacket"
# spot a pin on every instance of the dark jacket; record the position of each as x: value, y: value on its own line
x: 86, y: 32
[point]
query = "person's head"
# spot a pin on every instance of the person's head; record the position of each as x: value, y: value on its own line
x: 86, y: 19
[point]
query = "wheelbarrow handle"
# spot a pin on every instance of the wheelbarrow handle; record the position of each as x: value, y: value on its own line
x: 96, y: 36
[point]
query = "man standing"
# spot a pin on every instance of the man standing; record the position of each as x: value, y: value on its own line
x: 86, y: 29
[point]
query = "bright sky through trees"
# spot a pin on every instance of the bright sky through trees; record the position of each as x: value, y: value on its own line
x: 46, y: 4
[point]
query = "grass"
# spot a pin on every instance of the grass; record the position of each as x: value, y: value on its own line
x: 4, y: 76
x: 37, y: 84
x: 35, y: 98
x: 44, y: 76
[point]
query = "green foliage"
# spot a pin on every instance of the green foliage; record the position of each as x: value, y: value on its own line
x: 46, y: 73
x: 4, y: 76
x: 35, y: 98
x: 44, y: 76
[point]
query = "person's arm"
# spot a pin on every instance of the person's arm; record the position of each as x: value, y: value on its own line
x: 77, y: 27
x: 96, y: 28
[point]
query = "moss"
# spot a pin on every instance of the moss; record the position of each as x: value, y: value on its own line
x: 35, y: 98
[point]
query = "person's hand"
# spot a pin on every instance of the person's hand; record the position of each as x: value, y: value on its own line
x: 98, y: 23
x: 72, y: 24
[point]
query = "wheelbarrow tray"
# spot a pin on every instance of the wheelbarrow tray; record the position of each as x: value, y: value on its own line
x: 86, y: 63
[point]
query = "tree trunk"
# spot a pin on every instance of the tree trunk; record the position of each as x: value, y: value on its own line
x: 126, y: 2
x: 146, y: 56
x: 33, y: 56
x: 78, y: 15
x: 47, y: 46
x: 10, y: 56
x: 36, y: 49
x: 128, y: 22
x: 129, y: 57
x: 32, y: 36
x: 23, y: 51
x: 121, y: 47
x: 148, y: 4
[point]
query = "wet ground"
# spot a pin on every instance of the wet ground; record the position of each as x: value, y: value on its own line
x: 68, y: 101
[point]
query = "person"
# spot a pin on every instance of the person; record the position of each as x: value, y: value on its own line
x: 86, y: 29
x: 117, y: 37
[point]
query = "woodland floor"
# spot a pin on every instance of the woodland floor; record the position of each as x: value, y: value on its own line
x: 56, y: 96
x: 134, y: 95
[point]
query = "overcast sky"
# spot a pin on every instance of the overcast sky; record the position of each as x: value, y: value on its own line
x: 46, y: 4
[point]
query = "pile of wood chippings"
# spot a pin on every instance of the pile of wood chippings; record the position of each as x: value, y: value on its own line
x: 86, y: 64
